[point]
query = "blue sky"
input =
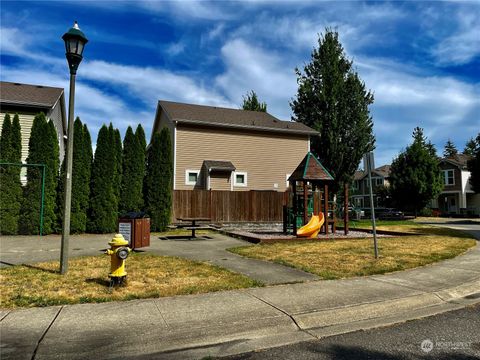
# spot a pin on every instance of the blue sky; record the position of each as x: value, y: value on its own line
x: 421, y: 59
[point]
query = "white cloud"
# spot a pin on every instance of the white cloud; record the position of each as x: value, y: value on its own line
x: 463, y: 44
x: 254, y: 68
x: 150, y: 84
x: 92, y: 105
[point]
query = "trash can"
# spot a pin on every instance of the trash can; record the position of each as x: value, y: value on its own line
x: 135, y: 228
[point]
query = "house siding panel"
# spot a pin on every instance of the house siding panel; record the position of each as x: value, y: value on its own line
x: 457, y: 176
x: 266, y: 157
x: 220, y: 181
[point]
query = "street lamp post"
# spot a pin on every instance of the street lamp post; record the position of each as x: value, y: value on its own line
x: 75, y: 41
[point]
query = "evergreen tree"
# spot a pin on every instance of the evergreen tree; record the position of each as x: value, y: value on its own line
x: 473, y: 166
x: 81, y: 168
x: 142, y: 148
x: 158, y: 185
x: 333, y: 100
x: 471, y: 146
x: 5, y: 139
x: 140, y: 135
x: 450, y: 149
x: 250, y: 102
x: 103, y: 202
x: 60, y: 197
x: 43, y: 148
x: 131, y: 196
x: 415, y: 176
x: 116, y: 143
x: 10, y: 185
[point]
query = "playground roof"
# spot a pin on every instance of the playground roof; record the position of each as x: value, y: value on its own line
x: 310, y: 169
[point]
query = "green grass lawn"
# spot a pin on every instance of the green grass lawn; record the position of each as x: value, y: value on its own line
x: 335, y: 259
x: 87, y: 280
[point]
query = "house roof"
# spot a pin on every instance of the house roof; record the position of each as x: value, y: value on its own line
x: 29, y: 95
x: 459, y: 160
x: 232, y: 118
x: 218, y: 165
x: 383, y: 171
x: 310, y: 169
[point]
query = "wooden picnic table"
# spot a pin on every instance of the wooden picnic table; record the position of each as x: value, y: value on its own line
x: 193, y: 225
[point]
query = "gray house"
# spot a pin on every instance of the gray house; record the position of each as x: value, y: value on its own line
x: 27, y: 101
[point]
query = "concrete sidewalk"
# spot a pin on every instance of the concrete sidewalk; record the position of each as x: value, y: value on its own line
x: 225, y: 323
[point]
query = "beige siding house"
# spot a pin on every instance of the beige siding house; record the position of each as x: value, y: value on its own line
x: 229, y: 149
x: 457, y: 196
x: 360, y: 189
x: 27, y: 101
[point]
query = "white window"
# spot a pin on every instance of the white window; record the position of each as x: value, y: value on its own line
x: 192, y: 177
x: 240, y: 179
x: 448, y: 177
x: 287, y: 184
x: 379, y: 181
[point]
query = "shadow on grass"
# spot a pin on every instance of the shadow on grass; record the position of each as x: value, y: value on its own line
x: 99, y: 281
x: 32, y: 267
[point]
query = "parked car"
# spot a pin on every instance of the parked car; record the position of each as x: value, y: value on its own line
x: 391, y: 214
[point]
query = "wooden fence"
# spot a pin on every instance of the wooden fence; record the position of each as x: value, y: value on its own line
x: 229, y: 206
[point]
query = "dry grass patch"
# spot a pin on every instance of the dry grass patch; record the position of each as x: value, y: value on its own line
x: 87, y: 281
x: 347, y: 258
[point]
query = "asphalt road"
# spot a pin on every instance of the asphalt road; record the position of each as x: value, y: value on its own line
x: 453, y: 335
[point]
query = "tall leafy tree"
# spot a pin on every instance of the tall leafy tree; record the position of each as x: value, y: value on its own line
x: 473, y: 166
x: 415, y: 176
x: 333, y: 100
x: 250, y: 102
x: 131, y: 196
x: 103, y: 202
x: 81, y: 172
x: 10, y: 185
x: 159, y: 180
x: 449, y: 149
x: 43, y: 148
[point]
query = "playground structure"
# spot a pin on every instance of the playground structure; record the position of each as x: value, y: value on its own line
x: 308, y: 198
x: 312, y: 228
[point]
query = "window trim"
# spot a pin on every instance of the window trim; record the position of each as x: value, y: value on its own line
x: 445, y: 177
x: 287, y: 184
x: 245, y: 175
x: 191, y: 171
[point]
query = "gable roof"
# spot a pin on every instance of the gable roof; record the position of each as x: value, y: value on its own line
x: 383, y: 171
x: 38, y: 96
x: 459, y: 160
x: 310, y: 169
x: 230, y: 118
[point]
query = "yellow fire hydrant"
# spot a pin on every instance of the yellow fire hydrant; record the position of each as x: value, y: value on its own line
x: 118, y: 253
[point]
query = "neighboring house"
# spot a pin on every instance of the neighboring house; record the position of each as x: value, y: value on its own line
x: 457, y: 196
x: 360, y: 192
x: 29, y: 100
x: 229, y: 149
